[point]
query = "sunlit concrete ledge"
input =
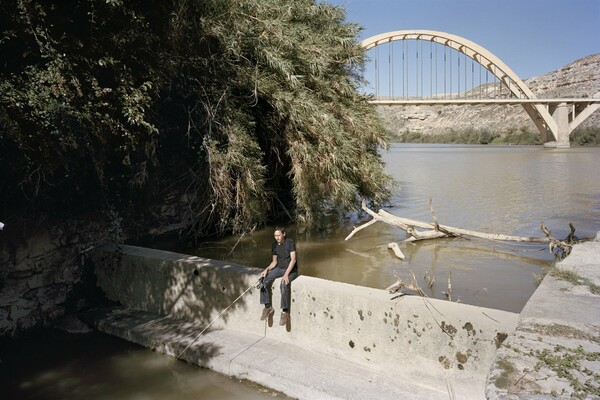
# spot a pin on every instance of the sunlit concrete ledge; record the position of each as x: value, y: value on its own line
x: 298, y: 372
x: 352, y: 336
x: 555, y: 350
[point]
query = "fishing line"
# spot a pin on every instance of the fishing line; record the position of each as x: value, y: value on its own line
x: 217, y: 317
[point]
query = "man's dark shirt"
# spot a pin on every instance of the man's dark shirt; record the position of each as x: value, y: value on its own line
x: 282, y: 251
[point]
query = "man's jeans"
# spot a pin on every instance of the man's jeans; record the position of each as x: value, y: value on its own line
x: 267, y: 291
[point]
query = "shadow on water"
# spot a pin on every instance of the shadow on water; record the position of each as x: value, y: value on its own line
x: 52, y: 364
x: 56, y: 365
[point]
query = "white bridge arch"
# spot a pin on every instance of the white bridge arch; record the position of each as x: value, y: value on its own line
x: 554, y: 118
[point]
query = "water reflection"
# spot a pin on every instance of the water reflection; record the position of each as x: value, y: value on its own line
x: 57, y: 365
x: 507, y: 190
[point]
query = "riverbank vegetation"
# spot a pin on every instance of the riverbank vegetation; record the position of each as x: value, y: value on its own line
x: 589, y: 136
x: 586, y: 137
x: 238, y: 111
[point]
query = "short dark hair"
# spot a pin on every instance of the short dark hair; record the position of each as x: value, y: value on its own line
x: 280, y: 229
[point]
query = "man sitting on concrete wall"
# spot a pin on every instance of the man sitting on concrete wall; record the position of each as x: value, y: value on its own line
x: 283, y: 265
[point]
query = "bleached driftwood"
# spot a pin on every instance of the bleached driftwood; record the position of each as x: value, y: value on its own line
x: 363, y: 226
x: 436, y: 230
x: 400, y: 283
x: 396, y: 249
x: 564, y: 246
x: 409, y: 225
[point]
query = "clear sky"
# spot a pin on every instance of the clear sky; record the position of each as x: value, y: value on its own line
x: 532, y: 37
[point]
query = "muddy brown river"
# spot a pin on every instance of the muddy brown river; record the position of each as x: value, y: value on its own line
x: 492, y: 189
x: 506, y: 190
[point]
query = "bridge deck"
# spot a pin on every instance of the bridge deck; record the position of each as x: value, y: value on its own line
x: 511, y: 101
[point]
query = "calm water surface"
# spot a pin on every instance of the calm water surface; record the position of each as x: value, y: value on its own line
x: 491, y: 189
x: 507, y: 190
x: 57, y: 365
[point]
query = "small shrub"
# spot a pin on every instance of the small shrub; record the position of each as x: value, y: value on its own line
x: 470, y: 136
x: 589, y: 136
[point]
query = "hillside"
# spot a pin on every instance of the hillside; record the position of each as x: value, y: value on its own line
x: 581, y: 78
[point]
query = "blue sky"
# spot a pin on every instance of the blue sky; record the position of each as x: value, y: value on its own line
x: 533, y: 37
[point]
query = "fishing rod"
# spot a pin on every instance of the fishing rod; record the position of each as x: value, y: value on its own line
x: 258, y: 284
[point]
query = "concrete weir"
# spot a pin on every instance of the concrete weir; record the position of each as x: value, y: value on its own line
x: 343, y: 341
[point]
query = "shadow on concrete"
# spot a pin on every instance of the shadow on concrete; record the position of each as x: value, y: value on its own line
x: 191, y: 292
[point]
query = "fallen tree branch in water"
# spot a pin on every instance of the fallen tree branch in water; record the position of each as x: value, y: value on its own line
x: 564, y: 246
x: 399, y: 284
x: 396, y: 287
x: 436, y: 230
x: 363, y: 226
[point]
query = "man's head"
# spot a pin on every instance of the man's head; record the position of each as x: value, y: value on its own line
x: 279, y: 234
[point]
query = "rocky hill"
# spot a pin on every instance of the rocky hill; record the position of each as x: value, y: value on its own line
x: 581, y: 78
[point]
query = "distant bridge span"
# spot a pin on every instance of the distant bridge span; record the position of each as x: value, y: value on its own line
x: 555, y: 118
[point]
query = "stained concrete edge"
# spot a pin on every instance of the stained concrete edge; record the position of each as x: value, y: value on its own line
x: 435, y: 345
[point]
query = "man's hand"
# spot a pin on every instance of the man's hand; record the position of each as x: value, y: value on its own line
x: 265, y: 272
x: 286, y: 279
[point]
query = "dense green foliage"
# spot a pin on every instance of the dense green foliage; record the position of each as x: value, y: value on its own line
x: 522, y: 136
x: 244, y: 108
x: 586, y: 136
x: 579, y: 137
x: 471, y: 136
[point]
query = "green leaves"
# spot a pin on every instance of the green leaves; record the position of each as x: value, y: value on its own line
x: 301, y: 59
x: 135, y: 102
x: 246, y: 109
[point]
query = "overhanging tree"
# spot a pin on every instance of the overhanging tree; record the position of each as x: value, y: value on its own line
x: 247, y: 108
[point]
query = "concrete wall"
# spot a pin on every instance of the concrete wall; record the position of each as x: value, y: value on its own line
x: 358, y: 324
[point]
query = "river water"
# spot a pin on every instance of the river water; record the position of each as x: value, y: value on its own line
x: 506, y: 190
x: 493, y: 189
x: 53, y: 365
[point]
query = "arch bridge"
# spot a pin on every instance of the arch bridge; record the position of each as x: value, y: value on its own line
x: 452, y: 81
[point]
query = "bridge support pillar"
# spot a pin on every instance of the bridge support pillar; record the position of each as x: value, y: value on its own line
x: 561, y: 116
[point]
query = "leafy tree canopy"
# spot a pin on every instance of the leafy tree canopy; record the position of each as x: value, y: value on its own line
x: 244, y: 108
